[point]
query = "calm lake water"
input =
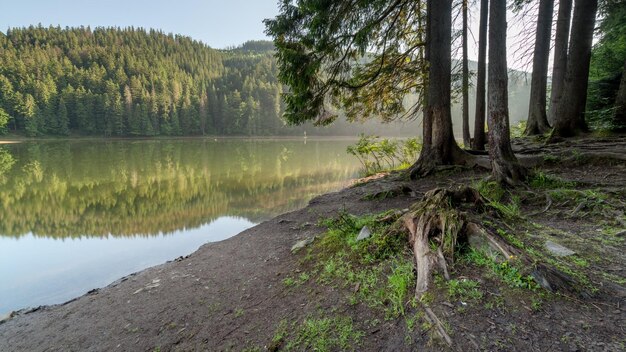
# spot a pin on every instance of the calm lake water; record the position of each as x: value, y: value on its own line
x: 77, y: 215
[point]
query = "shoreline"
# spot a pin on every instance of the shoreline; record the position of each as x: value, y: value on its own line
x: 238, y: 294
x: 19, y: 139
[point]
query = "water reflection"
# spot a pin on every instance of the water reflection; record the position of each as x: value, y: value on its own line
x: 78, y: 215
x: 122, y: 188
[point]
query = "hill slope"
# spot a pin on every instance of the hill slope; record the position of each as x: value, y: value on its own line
x: 125, y: 82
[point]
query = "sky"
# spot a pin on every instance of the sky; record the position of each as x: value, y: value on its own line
x: 218, y: 23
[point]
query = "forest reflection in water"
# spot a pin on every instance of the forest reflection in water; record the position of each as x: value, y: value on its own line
x: 76, y: 215
x: 130, y: 188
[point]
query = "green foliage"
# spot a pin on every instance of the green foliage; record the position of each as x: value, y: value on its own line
x: 491, y: 190
x: 132, y: 82
x: 374, y: 266
x: 607, y: 62
x: 360, y: 56
x: 296, y: 281
x: 505, y: 270
x: 399, y: 284
x: 464, y: 290
x: 495, y: 195
x: 541, y: 180
x: 517, y: 131
x: 381, y: 154
x: 326, y: 334
x: 4, y: 121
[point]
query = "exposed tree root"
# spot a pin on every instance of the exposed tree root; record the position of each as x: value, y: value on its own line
x: 436, y: 226
x: 434, y: 321
x: 431, y: 163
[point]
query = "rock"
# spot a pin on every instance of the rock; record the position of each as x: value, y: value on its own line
x: 301, y: 244
x: 364, y: 234
x: 558, y: 250
x: 621, y: 234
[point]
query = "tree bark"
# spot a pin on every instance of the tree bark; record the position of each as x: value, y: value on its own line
x: 537, y: 117
x: 570, y: 120
x: 560, y: 57
x: 619, y: 119
x: 505, y: 167
x: 479, y: 118
x: 443, y: 149
x: 427, y: 134
x: 465, y: 88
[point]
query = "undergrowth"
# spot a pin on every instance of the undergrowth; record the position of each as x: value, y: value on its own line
x: 381, y: 154
x: 317, y: 334
x: 379, y: 269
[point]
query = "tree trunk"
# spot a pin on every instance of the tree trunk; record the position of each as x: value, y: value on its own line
x: 619, y: 119
x: 537, y: 117
x: 560, y: 57
x: 427, y: 134
x: 570, y: 120
x: 505, y: 167
x: 479, y: 118
x: 443, y: 149
x: 466, y: 129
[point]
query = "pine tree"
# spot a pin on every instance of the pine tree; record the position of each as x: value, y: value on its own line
x: 62, y: 120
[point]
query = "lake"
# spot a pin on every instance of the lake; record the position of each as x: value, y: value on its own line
x: 77, y: 215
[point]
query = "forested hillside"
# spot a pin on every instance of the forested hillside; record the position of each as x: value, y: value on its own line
x: 132, y: 82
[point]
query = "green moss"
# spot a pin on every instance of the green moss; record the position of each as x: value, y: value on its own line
x: 541, y: 180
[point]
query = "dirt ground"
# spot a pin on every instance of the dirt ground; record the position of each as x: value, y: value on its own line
x: 237, y: 294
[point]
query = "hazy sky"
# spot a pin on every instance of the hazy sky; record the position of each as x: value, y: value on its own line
x: 218, y: 23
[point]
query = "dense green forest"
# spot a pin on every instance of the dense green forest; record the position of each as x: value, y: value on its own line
x: 132, y: 82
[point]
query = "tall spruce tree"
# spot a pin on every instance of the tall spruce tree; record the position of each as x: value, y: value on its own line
x: 505, y: 166
x: 570, y: 119
x: 561, y: 38
x: 537, y: 114
x: 481, y: 78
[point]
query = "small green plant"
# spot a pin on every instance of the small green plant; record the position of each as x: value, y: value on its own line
x: 495, y: 196
x: 490, y: 190
x: 507, y: 272
x: 464, y: 290
x: 289, y: 282
x: 542, y: 180
x: 326, y: 334
x: 536, y: 304
x: 411, y: 321
x: 517, y: 131
x: 238, y: 312
x: 280, y: 335
x: 398, y: 284
x: 380, y: 154
x: 550, y: 158
x: 581, y: 262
